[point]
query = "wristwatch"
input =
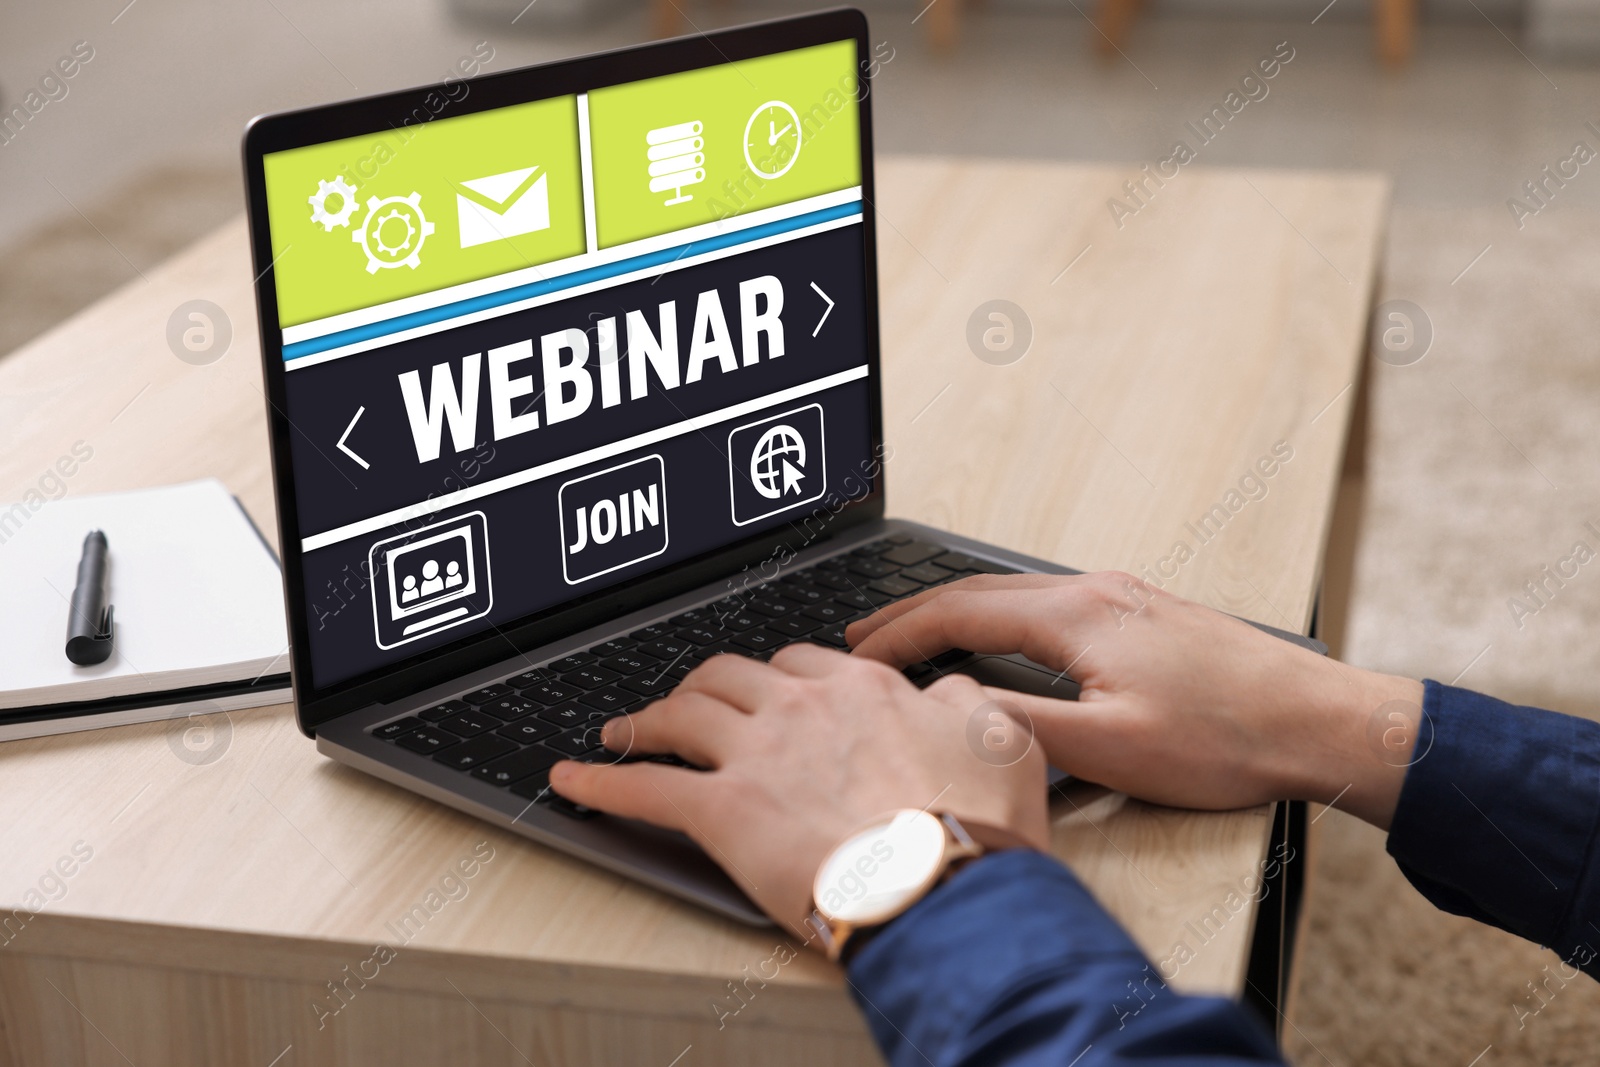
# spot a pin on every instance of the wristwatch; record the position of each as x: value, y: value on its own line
x: 886, y: 866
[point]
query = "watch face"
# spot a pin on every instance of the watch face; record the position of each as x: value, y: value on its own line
x: 878, y: 872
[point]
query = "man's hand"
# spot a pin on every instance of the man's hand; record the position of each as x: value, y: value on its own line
x: 798, y: 754
x: 1180, y: 704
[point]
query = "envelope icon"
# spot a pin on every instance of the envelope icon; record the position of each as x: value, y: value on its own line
x: 502, y: 205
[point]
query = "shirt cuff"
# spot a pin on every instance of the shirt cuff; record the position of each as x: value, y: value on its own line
x: 1498, y: 815
x: 960, y: 964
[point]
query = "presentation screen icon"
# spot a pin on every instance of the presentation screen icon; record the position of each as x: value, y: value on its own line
x: 502, y: 205
x: 776, y: 463
x: 431, y: 579
x: 677, y: 158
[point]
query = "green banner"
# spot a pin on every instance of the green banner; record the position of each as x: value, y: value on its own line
x: 691, y: 148
x: 371, y: 219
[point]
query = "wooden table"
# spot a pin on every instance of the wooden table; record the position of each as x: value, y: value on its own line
x: 225, y: 900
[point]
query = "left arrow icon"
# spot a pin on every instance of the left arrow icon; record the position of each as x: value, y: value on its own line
x: 344, y: 436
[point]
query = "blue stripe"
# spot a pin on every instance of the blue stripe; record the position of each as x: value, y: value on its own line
x: 565, y: 281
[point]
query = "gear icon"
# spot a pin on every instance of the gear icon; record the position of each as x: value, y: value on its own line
x: 319, y: 203
x: 402, y: 222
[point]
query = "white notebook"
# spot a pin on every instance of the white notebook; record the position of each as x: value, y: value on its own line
x: 197, y: 596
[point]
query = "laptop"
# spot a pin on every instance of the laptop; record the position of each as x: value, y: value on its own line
x: 573, y: 382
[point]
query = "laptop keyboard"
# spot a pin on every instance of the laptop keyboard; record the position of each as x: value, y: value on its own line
x: 511, y: 733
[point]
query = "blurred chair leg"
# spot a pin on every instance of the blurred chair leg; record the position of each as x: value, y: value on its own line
x: 668, y: 19
x: 1396, y: 26
x: 1113, y: 20
x: 944, y: 25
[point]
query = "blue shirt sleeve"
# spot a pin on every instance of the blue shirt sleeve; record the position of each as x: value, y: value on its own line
x: 1498, y: 817
x: 1011, y: 962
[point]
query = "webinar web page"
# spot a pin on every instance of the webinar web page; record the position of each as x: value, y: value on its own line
x: 538, y: 350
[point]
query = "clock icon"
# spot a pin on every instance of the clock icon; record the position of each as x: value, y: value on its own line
x: 772, y: 139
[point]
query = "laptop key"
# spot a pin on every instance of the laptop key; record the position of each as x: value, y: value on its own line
x: 829, y: 612
x: 488, y: 694
x: 650, y: 683
x: 572, y: 662
x: 873, y: 568
x: 426, y: 740
x: 896, y: 586
x: 511, y: 709
x: 801, y: 594
x: 548, y: 693
x: 527, y: 731
x: 699, y: 635
x: 831, y: 635
x: 468, y: 754
x: 771, y: 606
x: 949, y: 658
x: 651, y: 633
x: 793, y: 625
x: 692, y: 617
x: 760, y: 640
x: 567, y: 714
x: 590, y: 677
x: 609, y: 699
x: 628, y: 663
x: 529, y: 679
x: 612, y: 647
x: 926, y: 573
x: 575, y: 743
x: 960, y: 561
x: 741, y: 621
x: 667, y: 649
x: 909, y: 555
x: 864, y: 601
x: 837, y: 582
x: 443, y: 711
x: 390, y: 731
x: 516, y: 766
x: 534, y: 787
x: 469, y: 724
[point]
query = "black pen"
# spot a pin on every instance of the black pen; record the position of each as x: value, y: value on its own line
x: 89, y: 618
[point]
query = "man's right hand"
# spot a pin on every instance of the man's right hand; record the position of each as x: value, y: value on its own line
x: 1180, y: 704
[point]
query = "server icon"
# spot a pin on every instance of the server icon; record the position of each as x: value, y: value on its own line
x: 677, y: 158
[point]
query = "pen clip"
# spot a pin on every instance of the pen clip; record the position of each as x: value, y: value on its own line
x: 103, y: 631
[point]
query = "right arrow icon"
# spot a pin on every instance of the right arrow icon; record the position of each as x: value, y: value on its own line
x: 825, y: 313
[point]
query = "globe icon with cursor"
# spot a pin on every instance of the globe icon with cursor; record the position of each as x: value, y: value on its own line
x: 776, y: 462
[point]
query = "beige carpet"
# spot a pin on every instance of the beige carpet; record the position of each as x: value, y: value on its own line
x: 1459, y: 515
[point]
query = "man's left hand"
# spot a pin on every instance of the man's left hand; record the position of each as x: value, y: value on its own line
x: 798, y: 754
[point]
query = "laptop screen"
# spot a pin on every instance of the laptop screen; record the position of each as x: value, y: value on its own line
x: 538, y: 351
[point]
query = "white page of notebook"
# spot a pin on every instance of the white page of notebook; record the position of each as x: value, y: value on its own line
x: 198, y: 598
